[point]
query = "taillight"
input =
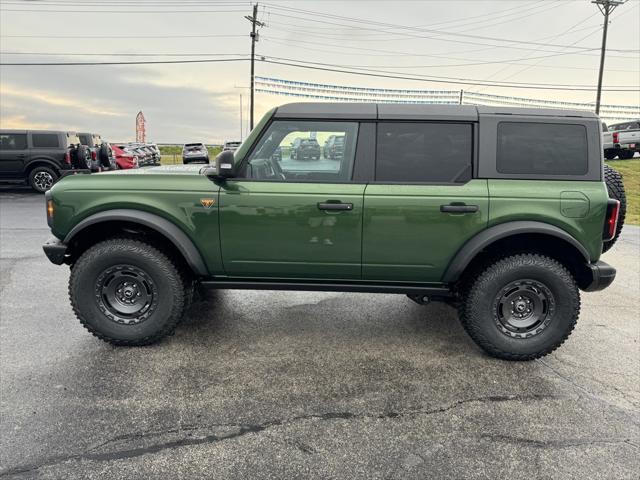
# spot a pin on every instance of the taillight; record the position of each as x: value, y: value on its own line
x: 611, y: 222
x: 67, y: 158
x: 93, y: 155
x: 616, y: 137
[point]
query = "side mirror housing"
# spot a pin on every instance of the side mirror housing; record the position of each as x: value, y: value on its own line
x: 224, y: 167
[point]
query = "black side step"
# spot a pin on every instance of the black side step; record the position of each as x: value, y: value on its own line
x: 328, y: 287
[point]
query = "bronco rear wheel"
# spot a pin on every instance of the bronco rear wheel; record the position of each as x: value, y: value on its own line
x: 522, y: 307
x: 127, y: 292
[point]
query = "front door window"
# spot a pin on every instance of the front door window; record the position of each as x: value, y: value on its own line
x: 295, y: 151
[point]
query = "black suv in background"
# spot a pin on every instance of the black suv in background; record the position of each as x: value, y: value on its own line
x: 334, y: 147
x: 305, y: 149
x: 101, y: 153
x: 38, y: 157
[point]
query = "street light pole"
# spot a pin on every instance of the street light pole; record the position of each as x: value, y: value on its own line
x: 606, y: 7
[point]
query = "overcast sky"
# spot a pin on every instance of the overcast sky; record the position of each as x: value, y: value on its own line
x: 201, y: 101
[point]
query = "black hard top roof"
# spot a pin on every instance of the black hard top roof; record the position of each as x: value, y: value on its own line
x: 396, y: 111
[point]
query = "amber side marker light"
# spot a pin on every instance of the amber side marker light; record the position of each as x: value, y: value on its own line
x: 50, y: 208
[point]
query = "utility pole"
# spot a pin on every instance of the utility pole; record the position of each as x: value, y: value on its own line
x: 254, y: 38
x: 605, y: 7
x: 240, y: 117
x: 461, y: 94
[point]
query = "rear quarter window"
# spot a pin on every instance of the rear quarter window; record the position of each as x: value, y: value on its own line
x: 528, y: 148
x: 45, y: 140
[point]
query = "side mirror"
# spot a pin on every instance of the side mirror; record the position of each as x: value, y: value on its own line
x: 224, y: 167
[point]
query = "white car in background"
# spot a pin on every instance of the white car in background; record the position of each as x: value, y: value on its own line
x: 231, y: 145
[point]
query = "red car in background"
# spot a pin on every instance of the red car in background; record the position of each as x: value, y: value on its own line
x: 124, y: 159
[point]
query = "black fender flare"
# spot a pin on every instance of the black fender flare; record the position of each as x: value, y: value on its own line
x: 485, y: 238
x: 43, y: 162
x: 161, y: 225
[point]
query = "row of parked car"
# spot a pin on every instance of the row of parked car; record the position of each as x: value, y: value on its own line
x: 621, y: 140
x: 309, y: 149
x: 40, y: 157
x: 199, y: 153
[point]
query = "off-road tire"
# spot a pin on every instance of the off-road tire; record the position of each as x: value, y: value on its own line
x: 615, y: 187
x: 103, y: 156
x: 166, y: 283
x: 82, y: 158
x: 478, y: 307
x: 42, y: 178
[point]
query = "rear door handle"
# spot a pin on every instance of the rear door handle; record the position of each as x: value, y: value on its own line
x: 458, y: 208
x: 335, y: 206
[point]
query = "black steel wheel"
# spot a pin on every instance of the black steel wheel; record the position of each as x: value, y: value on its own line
x: 127, y: 292
x: 521, y: 307
x: 524, y: 308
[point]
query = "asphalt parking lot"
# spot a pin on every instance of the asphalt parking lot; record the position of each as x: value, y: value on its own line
x: 314, y: 385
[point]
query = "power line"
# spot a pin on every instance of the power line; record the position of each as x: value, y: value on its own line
x: 206, y: 54
x: 406, y: 27
x: 557, y: 36
x: 150, y: 62
x: 127, y: 12
x: 435, y: 78
x: 66, y: 54
x: 340, y: 69
x: 112, y: 37
x: 442, y: 80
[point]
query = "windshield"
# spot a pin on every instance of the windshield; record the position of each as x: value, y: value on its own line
x: 72, y: 138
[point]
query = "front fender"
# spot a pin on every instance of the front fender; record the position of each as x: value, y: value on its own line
x: 163, y: 226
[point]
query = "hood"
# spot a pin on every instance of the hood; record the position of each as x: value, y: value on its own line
x: 161, y: 170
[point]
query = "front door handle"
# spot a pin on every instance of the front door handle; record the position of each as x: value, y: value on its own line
x: 335, y: 206
x: 460, y: 208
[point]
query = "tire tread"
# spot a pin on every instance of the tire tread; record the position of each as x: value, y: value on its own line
x: 493, y: 272
x: 144, y: 249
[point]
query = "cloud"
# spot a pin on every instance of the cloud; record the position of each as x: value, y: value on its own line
x: 106, y: 100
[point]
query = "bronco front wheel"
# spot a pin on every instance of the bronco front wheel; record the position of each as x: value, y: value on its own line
x: 127, y: 292
x: 521, y: 307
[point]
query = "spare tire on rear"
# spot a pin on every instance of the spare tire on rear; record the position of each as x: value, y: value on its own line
x: 82, y: 158
x: 615, y: 187
x: 103, y: 156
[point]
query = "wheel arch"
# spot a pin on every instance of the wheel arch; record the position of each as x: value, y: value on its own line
x: 518, y: 237
x: 42, y: 162
x: 126, y: 220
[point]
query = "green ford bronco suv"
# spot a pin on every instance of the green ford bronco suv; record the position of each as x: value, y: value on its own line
x: 482, y: 207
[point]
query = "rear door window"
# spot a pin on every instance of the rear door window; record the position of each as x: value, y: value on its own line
x: 45, y: 140
x: 532, y: 148
x: 13, y: 141
x: 424, y: 152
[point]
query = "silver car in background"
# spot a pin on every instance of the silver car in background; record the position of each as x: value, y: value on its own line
x: 195, y: 152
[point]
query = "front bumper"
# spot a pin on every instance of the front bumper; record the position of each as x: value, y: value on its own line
x: 55, y: 250
x: 602, y: 275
